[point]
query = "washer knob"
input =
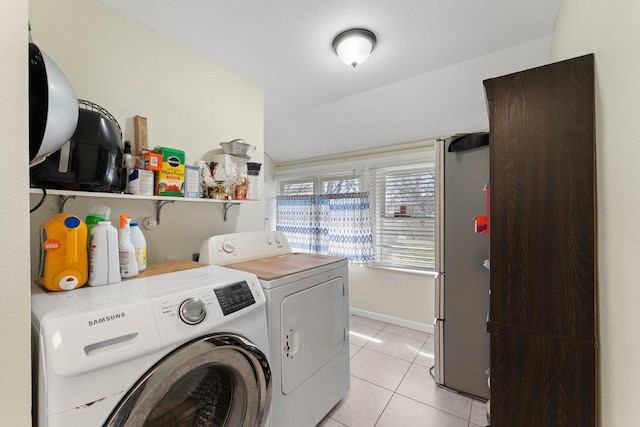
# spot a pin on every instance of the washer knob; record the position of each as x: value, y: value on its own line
x: 278, y: 241
x: 192, y: 311
x: 228, y: 246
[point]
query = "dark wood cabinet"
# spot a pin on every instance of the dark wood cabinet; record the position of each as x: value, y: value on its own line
x: 541, y: 380
x: 543, y: 307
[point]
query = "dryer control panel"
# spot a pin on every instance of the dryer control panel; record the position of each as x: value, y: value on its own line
x: 238, y: 247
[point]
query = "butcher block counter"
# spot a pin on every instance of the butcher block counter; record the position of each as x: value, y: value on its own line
x: 273, y: 268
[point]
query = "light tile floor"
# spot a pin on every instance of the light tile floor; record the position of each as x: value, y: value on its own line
x: 391, y: 385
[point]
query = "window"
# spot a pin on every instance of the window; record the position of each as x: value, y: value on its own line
x: 327, y: 215
x: 297, y: 188
x: 337, y: 185
x: 404, y: 216
x: 399, y: 215
x: 323, y: 184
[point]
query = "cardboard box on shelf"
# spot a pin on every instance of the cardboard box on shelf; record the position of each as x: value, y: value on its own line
x: 170, y: 179
x: 192, y: 181
x: 140, y: 181
x: 140, y: 133
x: 149, y: 160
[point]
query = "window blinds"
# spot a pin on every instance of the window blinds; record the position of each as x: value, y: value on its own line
x: 404, y: 216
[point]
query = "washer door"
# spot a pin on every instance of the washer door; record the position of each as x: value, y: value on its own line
x: 217, y: 380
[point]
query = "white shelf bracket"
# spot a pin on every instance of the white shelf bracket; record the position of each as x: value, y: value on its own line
x: 62, y: 200
x: 225, y: 207
x: 159, y: 205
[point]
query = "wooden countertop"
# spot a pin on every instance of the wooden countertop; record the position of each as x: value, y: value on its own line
x: 167, y: 267
x: 152, y: 270
x: 272, y: 268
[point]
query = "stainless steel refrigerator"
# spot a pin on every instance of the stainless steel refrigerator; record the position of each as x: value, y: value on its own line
x: 461, y: 348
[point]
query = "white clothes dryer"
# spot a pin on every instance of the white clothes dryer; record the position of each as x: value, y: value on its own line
x: 183, y: 348
x: 308, y: 315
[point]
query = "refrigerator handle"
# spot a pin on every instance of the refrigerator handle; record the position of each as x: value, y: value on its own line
x: 439, y: 199
x: 439, y: 296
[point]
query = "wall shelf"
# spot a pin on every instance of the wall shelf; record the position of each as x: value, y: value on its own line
x: 64, y: 195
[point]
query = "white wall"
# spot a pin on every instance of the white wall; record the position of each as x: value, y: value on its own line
x: 15, y: 393
x: 401, y: 298
x: 611, y: 30
x: 190, y: 102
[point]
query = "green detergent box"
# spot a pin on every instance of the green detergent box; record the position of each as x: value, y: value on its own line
x: 170, y: 179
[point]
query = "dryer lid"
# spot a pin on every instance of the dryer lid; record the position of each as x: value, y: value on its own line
x: 273, y: 268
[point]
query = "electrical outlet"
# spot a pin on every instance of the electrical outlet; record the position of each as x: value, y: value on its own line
x: 149, y: 223
x: 195, y: 257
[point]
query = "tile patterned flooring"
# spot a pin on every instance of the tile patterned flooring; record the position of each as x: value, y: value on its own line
x: 391, y: 385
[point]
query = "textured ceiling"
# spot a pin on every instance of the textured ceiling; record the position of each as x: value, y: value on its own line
x: 423, y: 80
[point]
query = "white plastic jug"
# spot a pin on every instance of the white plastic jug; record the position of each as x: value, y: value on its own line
x: 140, y: 244
x: 104, y: 264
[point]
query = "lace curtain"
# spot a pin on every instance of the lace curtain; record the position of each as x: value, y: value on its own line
x: 328, y: 224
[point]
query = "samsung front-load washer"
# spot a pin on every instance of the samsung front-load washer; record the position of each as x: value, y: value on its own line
x: 308, y: 315
x: 187, y: 348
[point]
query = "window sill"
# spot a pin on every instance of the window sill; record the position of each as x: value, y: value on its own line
x: 403, y: 270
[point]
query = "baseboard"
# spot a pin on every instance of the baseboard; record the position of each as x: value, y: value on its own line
x: 422, y: 327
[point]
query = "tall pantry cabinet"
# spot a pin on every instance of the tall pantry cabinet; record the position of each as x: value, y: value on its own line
x: 543, y: 307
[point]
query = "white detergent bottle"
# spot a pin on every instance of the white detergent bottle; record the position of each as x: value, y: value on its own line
x: 104, y: 264
x: 126, y: 250
x: 139, y: 242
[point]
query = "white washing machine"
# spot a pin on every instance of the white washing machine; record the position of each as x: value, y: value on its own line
x: 184, y: 348
x: 307, y: 313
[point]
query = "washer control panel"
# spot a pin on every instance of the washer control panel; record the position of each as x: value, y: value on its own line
x: 192, y: 311
x: 205, y: 298
x: 234, y: 297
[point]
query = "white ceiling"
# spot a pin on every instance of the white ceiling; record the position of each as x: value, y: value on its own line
x: 423, y: 79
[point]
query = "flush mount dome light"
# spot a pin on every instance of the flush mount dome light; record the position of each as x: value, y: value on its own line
x: 354, y: 46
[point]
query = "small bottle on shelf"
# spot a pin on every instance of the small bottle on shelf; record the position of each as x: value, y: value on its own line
x: 253, y: 181
x: 126, y: 250
x: 140, y: 244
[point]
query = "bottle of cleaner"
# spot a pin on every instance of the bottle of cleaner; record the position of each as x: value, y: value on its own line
x: 253, y: 180
x: 63, y: 252
x: 104, y: 263
x: 127, y: 161
x: 126, y: 250
x: 96, y: 214
x: 140, y: 243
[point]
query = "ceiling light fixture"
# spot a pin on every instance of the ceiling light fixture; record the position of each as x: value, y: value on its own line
x: 354, y: 46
